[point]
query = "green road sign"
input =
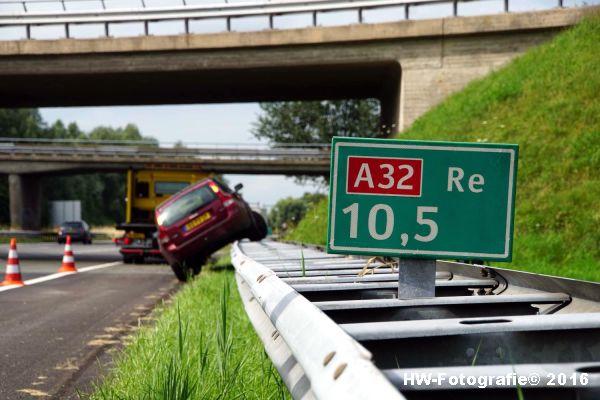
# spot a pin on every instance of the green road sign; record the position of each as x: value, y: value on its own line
x: 422, y: 199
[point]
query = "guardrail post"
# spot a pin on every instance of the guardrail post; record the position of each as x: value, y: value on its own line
x: 406, y: 12
x: 416, y: 278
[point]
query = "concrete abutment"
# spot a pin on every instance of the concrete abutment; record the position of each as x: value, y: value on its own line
x: 25, y: 201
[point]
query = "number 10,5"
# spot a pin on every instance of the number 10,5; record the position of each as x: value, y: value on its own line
x: 389, y: 222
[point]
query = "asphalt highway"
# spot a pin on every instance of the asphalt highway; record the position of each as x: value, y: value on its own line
x: 54, y: 329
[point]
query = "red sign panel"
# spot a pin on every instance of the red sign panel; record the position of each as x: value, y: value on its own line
x: 384, y: 176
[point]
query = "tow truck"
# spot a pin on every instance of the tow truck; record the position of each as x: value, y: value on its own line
x: 145, y: 190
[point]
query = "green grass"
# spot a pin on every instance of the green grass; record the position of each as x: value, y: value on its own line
x: 201, y: 347
x: 548, y: 102
x: 313, y: 227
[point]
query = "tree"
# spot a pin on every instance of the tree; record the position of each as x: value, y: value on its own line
x: 22, y: 123
x: 317, y: 121
x: 130, y: 132
x: 290, y: 211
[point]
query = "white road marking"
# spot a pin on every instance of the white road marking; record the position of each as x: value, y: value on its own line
x: 95, y: 267
x: 50, y: 277
x: 93, y: 251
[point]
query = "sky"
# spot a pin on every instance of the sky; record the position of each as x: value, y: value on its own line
x: 207, y: 124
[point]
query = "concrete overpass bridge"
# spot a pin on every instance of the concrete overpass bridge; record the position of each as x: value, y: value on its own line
x: 45, y: 159
x: 27, y: 163
x: 409, y: 64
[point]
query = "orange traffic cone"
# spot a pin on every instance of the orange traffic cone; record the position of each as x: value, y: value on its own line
x: 68, y: 262
x: 13, y: 270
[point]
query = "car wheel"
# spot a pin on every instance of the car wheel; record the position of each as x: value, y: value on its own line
x: 180, y: 271
x: 138, y: 260
x: 196, y: 264
x: 188, y: 268
x: 258, y: 230
x: 127, y: 260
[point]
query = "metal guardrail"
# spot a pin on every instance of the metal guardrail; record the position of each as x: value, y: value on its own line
x: 183, y: 11
x: 333, y: 335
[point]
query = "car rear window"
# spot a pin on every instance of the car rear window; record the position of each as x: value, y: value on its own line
x: 185, y: 205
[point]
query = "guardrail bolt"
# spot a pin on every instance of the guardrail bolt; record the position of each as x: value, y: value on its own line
x: 328, y: 358
x: 339, y: 370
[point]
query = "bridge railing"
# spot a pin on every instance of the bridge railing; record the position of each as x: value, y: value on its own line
x: 115, y: 150
x: 70, y: 13
x: 11, y: 141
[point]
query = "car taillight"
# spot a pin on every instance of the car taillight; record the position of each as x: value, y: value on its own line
x: 127, y: 241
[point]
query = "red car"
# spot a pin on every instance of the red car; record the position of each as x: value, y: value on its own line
x: 199, y: 220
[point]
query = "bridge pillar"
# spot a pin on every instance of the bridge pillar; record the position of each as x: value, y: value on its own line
x: 25, y: 201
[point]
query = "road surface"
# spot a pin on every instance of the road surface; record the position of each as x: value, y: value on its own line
x: 53, y: 331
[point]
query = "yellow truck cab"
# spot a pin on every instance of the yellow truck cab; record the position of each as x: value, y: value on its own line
x: 145, y: 190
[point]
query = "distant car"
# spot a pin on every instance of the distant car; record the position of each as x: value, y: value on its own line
x: 199, y: 220
x: 78, y: 230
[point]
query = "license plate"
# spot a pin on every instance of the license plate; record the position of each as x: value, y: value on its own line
x: 197, y: 221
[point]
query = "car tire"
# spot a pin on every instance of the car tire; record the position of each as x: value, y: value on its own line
x: 258, y: 230
x: 139, y: 260
x: 180, y: 271
x: 127, y: 260
x: 189, y: 268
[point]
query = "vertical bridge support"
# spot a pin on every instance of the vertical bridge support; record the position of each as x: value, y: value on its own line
x: 25, y: 201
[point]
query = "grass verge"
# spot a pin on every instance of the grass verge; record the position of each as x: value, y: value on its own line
x: 313, y: 227
x: 202, y: 346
